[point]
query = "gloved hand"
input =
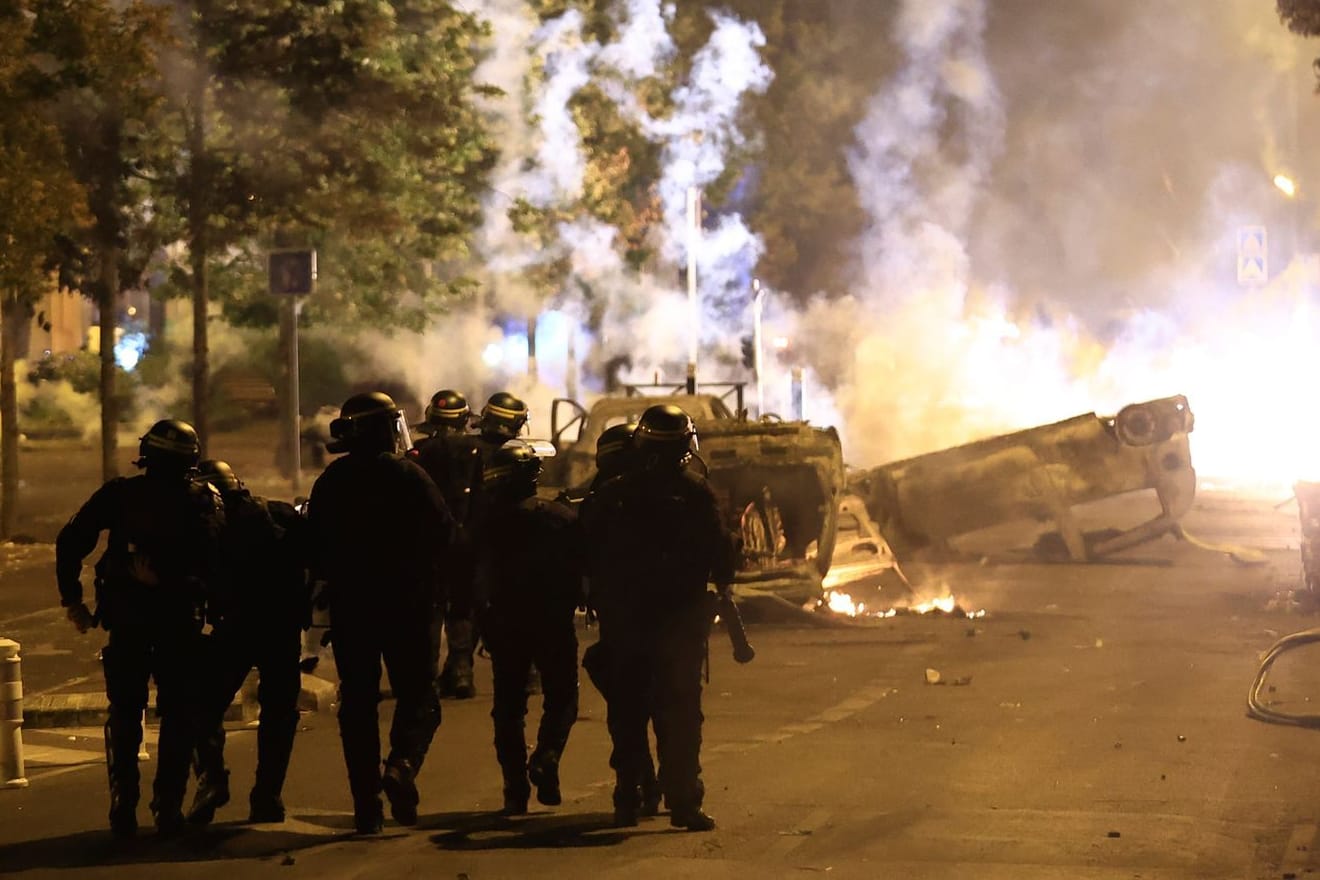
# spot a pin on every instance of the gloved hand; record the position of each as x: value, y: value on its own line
x: 80, y: 617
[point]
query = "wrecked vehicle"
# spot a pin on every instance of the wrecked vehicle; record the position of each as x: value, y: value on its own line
x: 780, y: 481
x: 1042, y: 474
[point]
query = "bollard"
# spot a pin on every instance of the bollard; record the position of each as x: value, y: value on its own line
x: 142, y: 747
x: 11, y: 716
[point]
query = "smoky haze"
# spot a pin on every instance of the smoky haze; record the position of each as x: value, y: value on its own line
x: 1136, y: 130
x: 1052, y: 196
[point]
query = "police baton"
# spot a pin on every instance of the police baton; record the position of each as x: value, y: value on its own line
x: 743, y: 652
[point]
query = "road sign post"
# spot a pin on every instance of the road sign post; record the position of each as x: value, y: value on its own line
x: 292, y: 276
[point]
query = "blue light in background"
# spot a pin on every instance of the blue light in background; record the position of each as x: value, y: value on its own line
x: 129, y: 348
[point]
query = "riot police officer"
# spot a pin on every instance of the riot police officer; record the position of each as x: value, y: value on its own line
x: 528, y: 586
x: 456, y: 461
x: 163, y: 535
x: 258, y: 606
x: 446, y: 413
x: 450, y: 454
x: 614, y: 455
x: 379, y: 529
x: 657, y: 537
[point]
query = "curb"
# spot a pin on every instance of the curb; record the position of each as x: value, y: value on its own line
x: 92, y: 709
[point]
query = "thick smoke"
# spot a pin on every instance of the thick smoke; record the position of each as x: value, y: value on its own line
x: 603, y: 309
x: 908, y: 352
x: 1054, y: 193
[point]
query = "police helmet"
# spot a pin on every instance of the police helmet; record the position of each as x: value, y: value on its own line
x: 513, y: 470
x: 503, y: 416
x: 613, y: 445
x: 448, y: 410
x: 665, y: 435
x: 220, y: 475
x: 170, y: 444
x: 369, y: 423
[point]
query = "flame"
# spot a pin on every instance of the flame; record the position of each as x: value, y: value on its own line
x: 843, y: 603
x: 1242, y: 371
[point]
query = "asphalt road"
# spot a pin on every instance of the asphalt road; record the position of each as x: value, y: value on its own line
x: 1091, y: 725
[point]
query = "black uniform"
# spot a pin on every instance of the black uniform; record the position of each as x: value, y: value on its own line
x: 455, y: 462
x: 258, y: 608
x: 596, y: 660
x: 529, y: 584
x: 379, y: 529
x: 164, y: 531
x: 656, y: 538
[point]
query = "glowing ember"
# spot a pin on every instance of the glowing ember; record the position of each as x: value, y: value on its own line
x: 843, y: 603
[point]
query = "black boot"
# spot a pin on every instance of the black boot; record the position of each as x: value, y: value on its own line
x: 123, y: 813
x: 543, y: 772
x: 169, y: 817
x: 274, y: 748
x: 693, y: 819
x: 399, y: 785
x: 212, y: 794
x: 456, y: 680
x: 265, y: 808
x: 121, y: 748
x: 368, y: 817
x: 625, y: 806
x: 650, y: 795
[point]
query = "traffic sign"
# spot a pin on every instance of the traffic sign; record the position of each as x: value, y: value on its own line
x: 1253, y: 261
x: 292, y: 272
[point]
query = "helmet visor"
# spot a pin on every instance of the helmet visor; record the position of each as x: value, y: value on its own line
x: 402, y: 439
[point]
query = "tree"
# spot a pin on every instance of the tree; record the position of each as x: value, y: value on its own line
x: 107, y: 104
x: 40, y: 200
x: 350, y: 122
x: 801, y: 198
x: 1302, y: 17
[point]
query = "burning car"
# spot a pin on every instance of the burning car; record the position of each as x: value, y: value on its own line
x: 780, y: 481
x: 1044, y: 474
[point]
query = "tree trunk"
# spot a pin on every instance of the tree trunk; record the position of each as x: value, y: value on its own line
x: 201, y: 352
x: 107, y: 300
x: 10, y: 316
x: 198, y: 221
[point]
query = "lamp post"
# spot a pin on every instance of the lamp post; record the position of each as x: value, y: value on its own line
x: 758, y: 303
x: 694, y: 309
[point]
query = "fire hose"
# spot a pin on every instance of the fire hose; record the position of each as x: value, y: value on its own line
x: 1237, y: 552
x: 1256, y: 707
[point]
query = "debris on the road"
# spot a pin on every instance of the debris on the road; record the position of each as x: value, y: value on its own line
x: 1113, y: 834
x: 932, y: 676
x: 1024, y: 634
x: 1181, y: 738
x: 287, y: 860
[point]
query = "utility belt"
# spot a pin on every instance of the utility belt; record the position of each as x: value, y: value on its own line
x: 124, y: 601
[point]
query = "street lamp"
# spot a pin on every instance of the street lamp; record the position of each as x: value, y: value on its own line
x: 758, y: 302
x: 1285, y: 185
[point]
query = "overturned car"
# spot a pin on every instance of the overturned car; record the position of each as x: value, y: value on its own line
x: 1044, y: 474
x: 779, y: 481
